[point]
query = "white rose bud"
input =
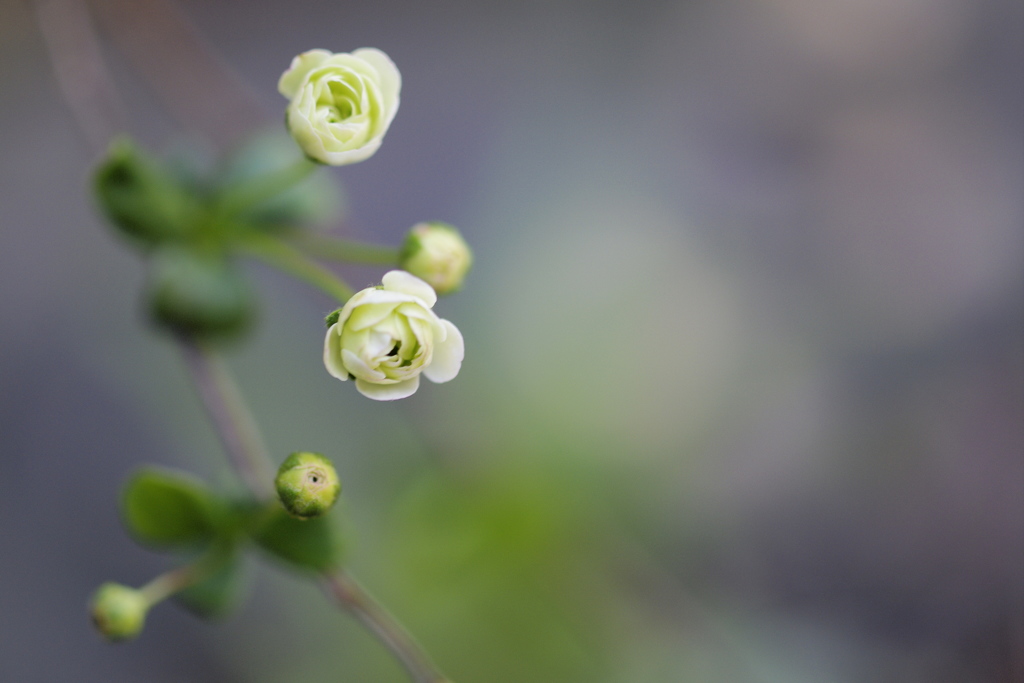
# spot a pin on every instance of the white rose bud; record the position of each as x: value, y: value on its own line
x: 384, y: 337
x: 437, y: 253
x: 341, y: 104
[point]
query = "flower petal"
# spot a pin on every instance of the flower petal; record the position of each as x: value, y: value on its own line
x: 388, y: 392
x: 367, y: 315
x: 332, y: 353
x: 358, y: 367
x: 291, y: 80
x: 390, y: 78
x: 448, y: 355
x: 401, y: 281
x: 370, y: 296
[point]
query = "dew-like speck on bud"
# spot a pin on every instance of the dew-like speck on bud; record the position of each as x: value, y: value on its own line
x: 307, y: 485
x: 118, y: 611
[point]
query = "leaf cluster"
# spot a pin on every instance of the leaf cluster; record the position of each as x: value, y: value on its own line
x: 175, y: 512
x: 190, y: 223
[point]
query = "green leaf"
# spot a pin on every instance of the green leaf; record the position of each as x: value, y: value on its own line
x: 143, y: 202
x: 166, y: 509
x: 313, y: 544
x: 199, y: 294
x: 216, y: 595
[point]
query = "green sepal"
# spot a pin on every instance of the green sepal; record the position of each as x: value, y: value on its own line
x: 165, y: 509
x: 143, y: 202
x: 332, y: 317
x: 199, y: 294
x: 217, y: 595
x: 313, y: 544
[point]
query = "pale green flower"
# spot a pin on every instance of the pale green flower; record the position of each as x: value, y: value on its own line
x: 341, y: 104
x: 437, y: 253
x: 384, y: 337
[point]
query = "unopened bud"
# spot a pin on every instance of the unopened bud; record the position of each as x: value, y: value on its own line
x: 307, y: 484
x: 118, y: 611
x: 436, y: 253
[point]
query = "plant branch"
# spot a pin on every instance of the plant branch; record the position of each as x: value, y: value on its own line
x: 231, y: 418
x: 249, y: 193
x: 81, y: 73
x: 285, y: 257
x: 361, y: 605
x: 349, y: 251
x: 167, y: 584
x: 240, y: 436
x: 200, y: 90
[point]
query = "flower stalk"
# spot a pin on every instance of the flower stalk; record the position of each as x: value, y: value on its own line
x: 287, y: 258
x: 346, y: 251
x: 347, y: 592
x: 231, y: 419
x: 245, y: 195
x: 240, y: 435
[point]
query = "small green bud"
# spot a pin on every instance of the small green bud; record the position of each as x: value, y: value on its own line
x: 199, y: 294
x: 139, y: 198
x: 118, y: 611
x: 436, y: 253
x: 307, y: 484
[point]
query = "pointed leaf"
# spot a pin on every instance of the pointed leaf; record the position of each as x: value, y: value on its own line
x: 215, y: 596
x: 166, y: 509
x: 313, y: 544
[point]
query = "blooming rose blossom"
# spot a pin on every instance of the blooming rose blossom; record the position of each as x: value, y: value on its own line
x: 384, y: 337
x: 341, y: 104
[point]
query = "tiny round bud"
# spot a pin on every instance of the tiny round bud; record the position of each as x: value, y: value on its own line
x: 199, y: 294
x: 436, y: 253
x: 118, y: 611
x: 307, y: 485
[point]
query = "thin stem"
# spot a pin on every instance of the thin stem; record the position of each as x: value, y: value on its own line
x: 251, y: 192
x: 242, y: 441
x: 167, y: 584
x: 285, y: 257
x: 361, y: 605
x: 194, y: 84
x: 82, y: 75
x: 349, y: 251
x: 231, y: 418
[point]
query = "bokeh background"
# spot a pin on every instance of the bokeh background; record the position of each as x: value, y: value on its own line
x: 744, y: 388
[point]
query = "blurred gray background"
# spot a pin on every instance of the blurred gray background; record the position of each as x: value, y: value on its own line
x: 744, y: 385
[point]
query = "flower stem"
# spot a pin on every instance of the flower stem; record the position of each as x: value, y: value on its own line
x: 361, y: 605
x: 240, y: 436
x: 349, y: 251
x: 231, y: 419
x: 251, y: 192
x: 287, y: 258
x: 167, y: 584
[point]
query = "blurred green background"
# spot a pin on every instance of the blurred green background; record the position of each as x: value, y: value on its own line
x: 744, y: 384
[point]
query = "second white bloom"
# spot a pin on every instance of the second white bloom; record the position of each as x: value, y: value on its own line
x: 385, y: 337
